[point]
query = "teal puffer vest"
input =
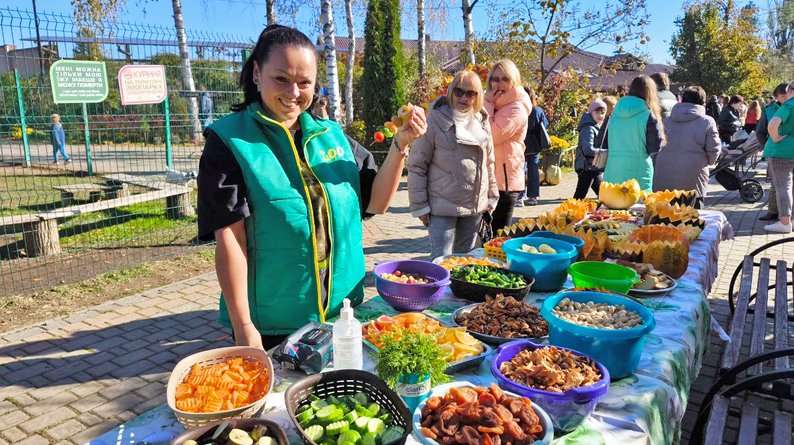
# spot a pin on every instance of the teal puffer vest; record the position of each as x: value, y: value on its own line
x: 283, y: 271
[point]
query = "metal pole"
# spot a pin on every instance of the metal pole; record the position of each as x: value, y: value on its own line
x: 38, y: 39
x: 23, y: 124
x: 89, y: 162
x: 167, y: 116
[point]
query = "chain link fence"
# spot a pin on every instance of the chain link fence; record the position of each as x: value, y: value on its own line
x: 115, y: 203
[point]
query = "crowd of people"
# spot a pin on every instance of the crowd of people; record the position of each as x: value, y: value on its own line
x: 283, y: 191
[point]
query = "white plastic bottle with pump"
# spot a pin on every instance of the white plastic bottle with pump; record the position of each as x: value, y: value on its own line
x: 347, y: 340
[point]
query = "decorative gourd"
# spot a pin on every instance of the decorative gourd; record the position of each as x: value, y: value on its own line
x: 651, y: 233
x: 626, y: 250
x: 541, y: 176
x: 553, y: 175
x: 665, y: 213
x: 680, y: 197
x: 620, y: 196
x: 669, y: 257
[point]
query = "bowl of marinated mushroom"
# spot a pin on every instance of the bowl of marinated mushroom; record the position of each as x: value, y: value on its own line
x: 565, y: 383
x: 502, y: 319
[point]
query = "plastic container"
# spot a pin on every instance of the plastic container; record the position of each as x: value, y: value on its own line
x: 576, y: 241
x: 347, y: 340
x: 618, y: 350
x: 272, y: 429
x: 567, y: 409
x: 600, y: 275
x: 547, y: 436
x: 549, y: 270
x: 411, y: 297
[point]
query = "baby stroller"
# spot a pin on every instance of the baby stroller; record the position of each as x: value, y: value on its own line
x: 735, y: 169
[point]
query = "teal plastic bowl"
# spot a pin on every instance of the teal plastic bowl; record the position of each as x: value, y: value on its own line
x: 618, y: 350
x: 549, y: 270
x: 600, y: 275
x: 576, y: 241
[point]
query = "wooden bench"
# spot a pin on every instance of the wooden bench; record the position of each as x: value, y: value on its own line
x: 759, y: 370
x: 94, y: 191
x: 40, y: 230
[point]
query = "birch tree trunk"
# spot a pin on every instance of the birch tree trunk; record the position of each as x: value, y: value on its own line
x: 271, y: 12
x: 468, y: 30
x: 351, y: 63
x: 187, y: 73
x: 329, y: 43
x: 420, y: 16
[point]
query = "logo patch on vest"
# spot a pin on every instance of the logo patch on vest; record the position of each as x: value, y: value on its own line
x: 332, y: 154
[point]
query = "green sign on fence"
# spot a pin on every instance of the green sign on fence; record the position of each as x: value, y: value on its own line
x: 78, y: 81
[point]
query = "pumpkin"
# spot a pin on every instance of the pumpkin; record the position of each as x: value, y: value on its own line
x: 665, y: 213
x: 626, y: 250
x: 651, y: 233
x: 553, y: 175
x: 541, y: 176
x: 669, y: 257
x: 619, y: 196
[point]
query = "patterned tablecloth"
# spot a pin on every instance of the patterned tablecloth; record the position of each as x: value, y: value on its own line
x: 644, y: 408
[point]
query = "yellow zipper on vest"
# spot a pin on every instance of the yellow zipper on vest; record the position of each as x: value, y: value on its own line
x: 311, y: 217
x: 324, y: 310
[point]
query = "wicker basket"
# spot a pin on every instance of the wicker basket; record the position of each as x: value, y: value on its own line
x: 493, y: 251
x: 347, y: 382
x: 211, y: 357
x: 272, y: 429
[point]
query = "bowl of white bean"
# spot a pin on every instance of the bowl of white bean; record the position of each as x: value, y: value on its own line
x: 609, y: 328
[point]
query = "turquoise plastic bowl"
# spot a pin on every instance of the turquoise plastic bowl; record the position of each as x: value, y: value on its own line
x: 549, y: 270
x: 576, y: 241
x: 618, y: 350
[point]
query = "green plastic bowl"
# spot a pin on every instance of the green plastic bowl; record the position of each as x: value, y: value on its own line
x: 599, y: 275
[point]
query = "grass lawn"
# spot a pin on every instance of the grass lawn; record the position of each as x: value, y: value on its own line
x: 142, y: 224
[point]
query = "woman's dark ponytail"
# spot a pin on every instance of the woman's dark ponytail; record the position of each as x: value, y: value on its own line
x: 271, y: 37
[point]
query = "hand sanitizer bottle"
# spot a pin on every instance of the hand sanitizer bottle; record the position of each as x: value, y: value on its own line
x: 347, y: 340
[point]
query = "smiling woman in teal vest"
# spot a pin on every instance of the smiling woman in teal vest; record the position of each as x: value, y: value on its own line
x: 283, y: 193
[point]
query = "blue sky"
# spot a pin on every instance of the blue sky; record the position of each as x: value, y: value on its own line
x: 246, y: 18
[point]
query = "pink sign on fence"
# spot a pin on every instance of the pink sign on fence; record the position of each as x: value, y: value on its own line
x: 142, y: 84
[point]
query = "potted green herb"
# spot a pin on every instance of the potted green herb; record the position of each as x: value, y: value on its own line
x: 411, y: 363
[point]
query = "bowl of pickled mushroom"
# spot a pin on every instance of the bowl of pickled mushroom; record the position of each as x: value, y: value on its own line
x: 565, y: 383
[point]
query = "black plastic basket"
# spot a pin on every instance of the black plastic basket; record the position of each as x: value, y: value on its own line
x: 347, y: 382
x: 477, y: 292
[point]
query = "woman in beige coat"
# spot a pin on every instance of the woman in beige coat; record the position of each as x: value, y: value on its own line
x: 451, y: 179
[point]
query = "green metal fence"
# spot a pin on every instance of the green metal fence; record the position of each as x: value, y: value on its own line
x: 113, y: 205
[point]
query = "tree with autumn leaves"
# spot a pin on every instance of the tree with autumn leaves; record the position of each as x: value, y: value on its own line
x: 717, y: 47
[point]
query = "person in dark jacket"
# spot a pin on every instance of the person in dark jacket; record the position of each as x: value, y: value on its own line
x: 537, y: 118
x: 601, y: 138
x: 762, y: 133
x: 58, y: 139
x: 713, y: 108
x: 729, y: 121
x: 589, y: 124
x: 667, y: 99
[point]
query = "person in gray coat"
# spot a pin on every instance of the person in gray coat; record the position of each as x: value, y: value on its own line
x: 667, y: 100
x: 451, y: 178
x: 693, y: 143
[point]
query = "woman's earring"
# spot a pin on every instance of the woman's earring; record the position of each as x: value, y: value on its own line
x: 257, y: 85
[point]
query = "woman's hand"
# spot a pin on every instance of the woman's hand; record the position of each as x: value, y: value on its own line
x: 415, y: 127
x: 425, y: 219
x: 247, y: 335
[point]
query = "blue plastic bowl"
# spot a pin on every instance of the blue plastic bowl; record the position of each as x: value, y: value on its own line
x: 549, y: 270
x: 567, y: 409
x: 618, y: 350
x: 577, y: 242
x: 411, y: 297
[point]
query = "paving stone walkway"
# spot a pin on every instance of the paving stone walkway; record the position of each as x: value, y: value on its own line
x: 67, y: 380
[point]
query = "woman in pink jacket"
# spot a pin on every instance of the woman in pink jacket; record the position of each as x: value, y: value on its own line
x: 509, y: 107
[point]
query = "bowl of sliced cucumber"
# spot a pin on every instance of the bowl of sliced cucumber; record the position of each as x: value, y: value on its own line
x: 347, y: 406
